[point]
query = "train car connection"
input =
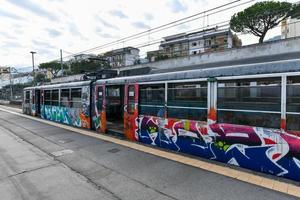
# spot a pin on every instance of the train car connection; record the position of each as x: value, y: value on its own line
x: 244, y: 115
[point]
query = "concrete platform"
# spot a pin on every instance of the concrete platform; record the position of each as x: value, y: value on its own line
x: 26, y: 172
x: 119, y: 169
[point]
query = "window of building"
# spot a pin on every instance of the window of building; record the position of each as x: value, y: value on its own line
x: 194, y: 44
x: 207, y: 43
x: 152, y: 100
x: 47, y: 97
x: 250, y: 102
x: 194, y: 52
x: 293, y: 103
x: 76, y: 98
x: 131, y: 102
x: 55, y: 97
x: 187, y: 101
x: 65, y: 97
x: 185, y: 46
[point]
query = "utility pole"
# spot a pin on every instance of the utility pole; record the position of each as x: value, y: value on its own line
x: 61, y: 64
x: 33, y: 72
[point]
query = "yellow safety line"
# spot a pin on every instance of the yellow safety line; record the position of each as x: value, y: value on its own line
x: 269, y: 183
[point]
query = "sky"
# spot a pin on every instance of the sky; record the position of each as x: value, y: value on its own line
x: 46, y: 26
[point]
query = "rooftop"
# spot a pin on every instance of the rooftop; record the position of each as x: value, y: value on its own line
x: 184, y: 37
x: 120, y: 51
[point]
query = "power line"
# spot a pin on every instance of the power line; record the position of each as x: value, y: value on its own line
x: 157, y: 41
x: 162, y: 26
x: 68, y: 52
x: 177, y: 25
x: 238, y: 34
x: 202, y: 28
x: 196, y: 18
x: 167, y: 26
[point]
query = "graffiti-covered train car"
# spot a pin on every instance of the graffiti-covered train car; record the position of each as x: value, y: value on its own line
x: 67, y: 103
x: 244, y: 115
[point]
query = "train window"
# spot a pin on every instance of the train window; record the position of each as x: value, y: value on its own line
x: 131, y: 102
x: 54, y: 98
x: 76, y: 98
x: 47, y: 97
x: 270, y: 120
x: 152, y: 100
x: 293, y: 103
x: 27, y: 96
x: 293, y: 121
x: 113, y: 96
x: 64, y: 97
x: 254, y: 102
x: 187, y: 101
x: 100, y: 98
x: 113, y: 92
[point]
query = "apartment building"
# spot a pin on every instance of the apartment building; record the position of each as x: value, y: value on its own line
x: 122, y: 57
x: 192, y: 44
x: 290, y: 28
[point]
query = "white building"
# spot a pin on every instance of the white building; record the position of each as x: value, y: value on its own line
x: 4, y: 70
x: 184, y: 44
x: 290, y: 28
x: 209, y: 40
x: 83, y: 57
x: 122, y: 57
x: 5, y: 80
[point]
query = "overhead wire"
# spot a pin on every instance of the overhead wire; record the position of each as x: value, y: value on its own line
x: 165, y: 26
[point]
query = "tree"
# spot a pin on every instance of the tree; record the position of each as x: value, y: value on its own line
x: 17, y: 91
x: 259, y: 18
x: 54, y: 67
x: 41, y: 78
x: 296, y: 11
x: 161, y: 57
x: 236, y: 41
x: 89, y: 65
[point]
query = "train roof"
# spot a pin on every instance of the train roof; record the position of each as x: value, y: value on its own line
x: 273, y: 67
x: 263, y: 68
x: 60, y: 85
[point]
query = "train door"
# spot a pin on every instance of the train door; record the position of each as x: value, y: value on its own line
x: 27, y: 102
x: 42, y: 106
x: 37, y: 97
x: 99, y: 117
x: 131, y: 112
x: 114, y: 108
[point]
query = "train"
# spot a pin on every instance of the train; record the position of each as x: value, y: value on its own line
x: 247, y: 115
